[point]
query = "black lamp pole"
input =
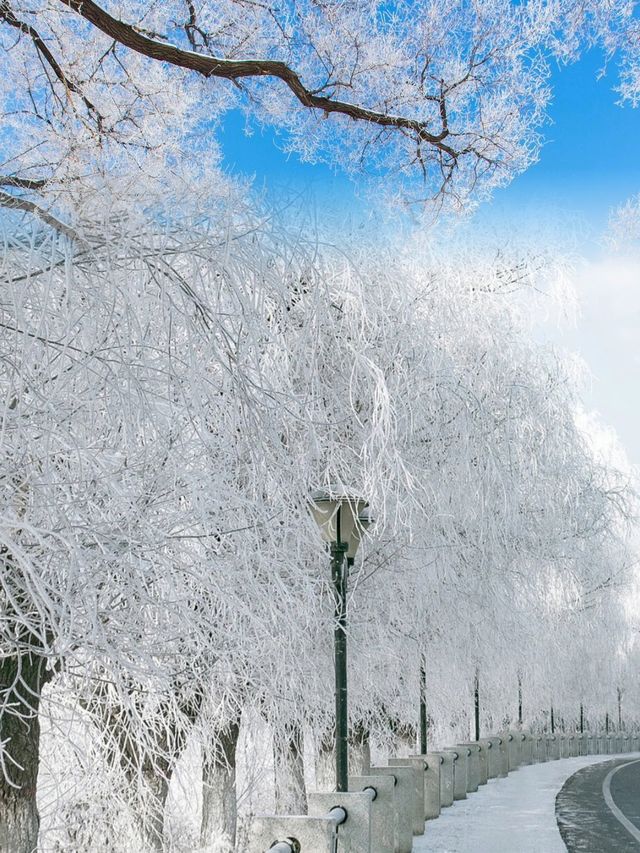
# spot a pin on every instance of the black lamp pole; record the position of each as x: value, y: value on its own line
x: 339, y: 577
x: 520, y: 699
x: 326, y: 509
x: 423, y: 707
x: 476, y: 702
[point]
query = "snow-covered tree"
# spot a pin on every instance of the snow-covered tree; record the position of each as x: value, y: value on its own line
x: 439, y: 101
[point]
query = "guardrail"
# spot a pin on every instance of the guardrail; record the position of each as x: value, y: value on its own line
x: 386, y: 806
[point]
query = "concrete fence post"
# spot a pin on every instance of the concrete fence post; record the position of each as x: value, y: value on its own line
x: 354, y: 835
x: 404, y: 795
x: 483, y: 760
x: 446, y: 778
x: 417, y: 763
x: 473, y: 765
x: 539, y: 749
x: 432, y: 785
x: 459, y: 772
x: 498, y: 757
x: 382, y: 810
x: 312, y: 834
x: 525, y: 748
x: 513, y: 749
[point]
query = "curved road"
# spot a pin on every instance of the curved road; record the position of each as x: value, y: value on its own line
x: 598, y: 808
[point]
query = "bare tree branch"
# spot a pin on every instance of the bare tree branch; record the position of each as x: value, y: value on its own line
x: 22, y: 183
x: 7, y: 14
x: 10, y: 201
x: 229, y: 69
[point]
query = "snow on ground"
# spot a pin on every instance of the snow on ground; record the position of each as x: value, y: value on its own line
x: 512, y: 815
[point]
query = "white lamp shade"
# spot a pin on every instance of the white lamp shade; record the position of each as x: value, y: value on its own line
x: 335, y: 511
x: 361, y: 525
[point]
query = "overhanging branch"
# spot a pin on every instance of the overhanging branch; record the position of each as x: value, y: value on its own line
x: 229, y: 69
x: 14, y: 203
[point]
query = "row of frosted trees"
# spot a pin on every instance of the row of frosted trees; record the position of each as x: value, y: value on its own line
x: 173, y: 390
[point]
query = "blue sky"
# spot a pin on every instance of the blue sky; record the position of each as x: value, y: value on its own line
x: 589, y: 164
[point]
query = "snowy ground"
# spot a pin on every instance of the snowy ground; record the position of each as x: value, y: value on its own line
x: 512, y: 815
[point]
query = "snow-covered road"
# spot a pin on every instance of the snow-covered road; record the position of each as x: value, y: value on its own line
x: 512, y: 815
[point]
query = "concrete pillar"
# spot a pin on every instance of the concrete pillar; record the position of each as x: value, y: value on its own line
x: 473, y: 765
x: 483, y: 760
x: 635, y: 743
x: 382, y: 810
x: 354, y: 835
x: 446, y: 778
x: 498, y: 757
x: 513, y: 749
x: 404, y: 796
x: 539, y: 749
x: 432, y: 785
x: 429, y: 783
x: 417, y: 762
x: 562, y: 753
x: 553, y: 747
x: 459, y: 772
x: 526, y: 742
x: 315, y: 834
x: 592, y: 745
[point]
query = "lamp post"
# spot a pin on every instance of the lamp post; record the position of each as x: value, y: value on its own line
x: 423, y: 706
x: 342, y: 518
x: 519, y: 699
x: 476, y: 701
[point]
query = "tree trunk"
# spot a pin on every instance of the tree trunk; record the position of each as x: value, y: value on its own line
x: 219, y: 811
x: 152, y: 826
x: 405, y: 735
x: 359, y: 752
x: 325, y: 763
x: 288, y: 756
x: 22, y: 678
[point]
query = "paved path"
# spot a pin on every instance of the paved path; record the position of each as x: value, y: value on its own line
x: 598, y: 808
x: 513, y: 815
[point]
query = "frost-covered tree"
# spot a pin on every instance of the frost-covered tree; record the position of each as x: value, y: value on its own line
x: 446, y: 98
x: 175, y: 388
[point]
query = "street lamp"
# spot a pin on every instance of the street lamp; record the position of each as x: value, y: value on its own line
x: 342, y: 518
